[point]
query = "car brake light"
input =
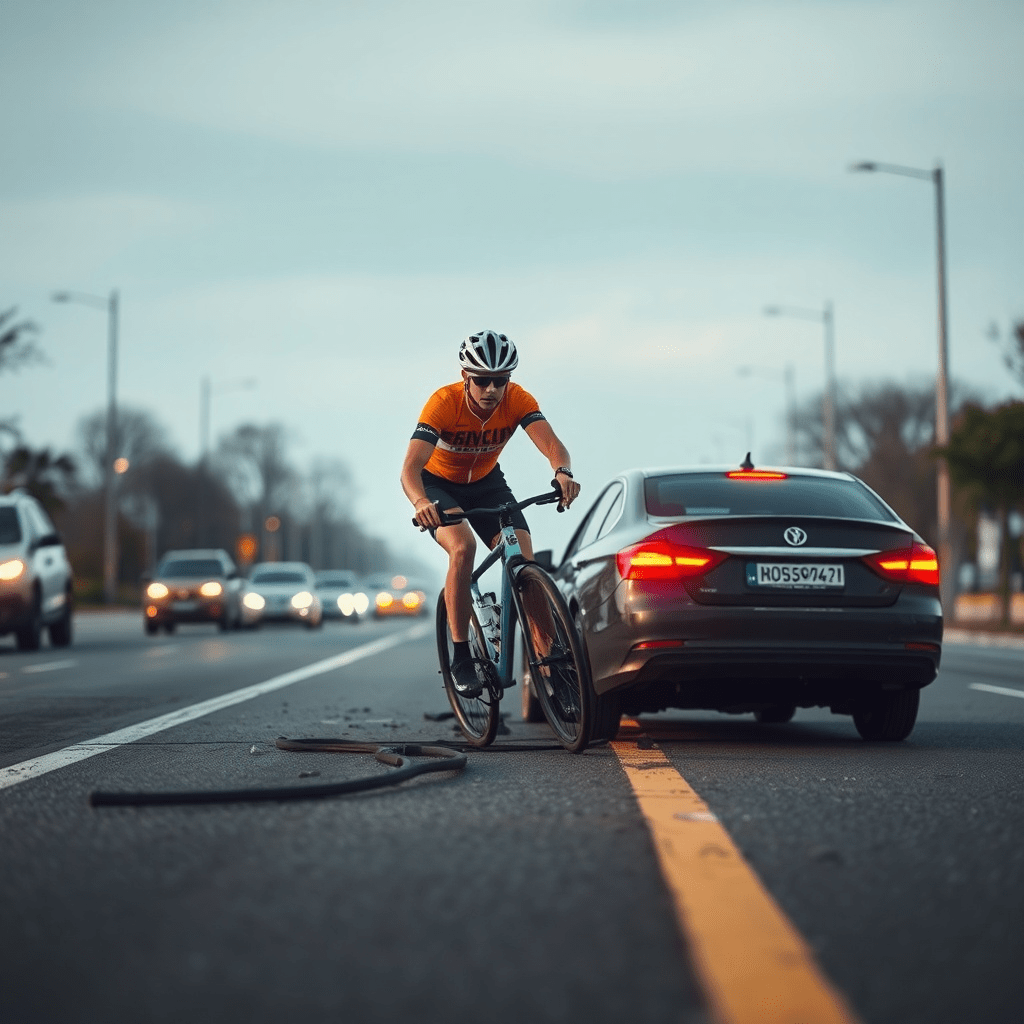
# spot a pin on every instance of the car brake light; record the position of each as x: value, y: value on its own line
x: 661, y: 558
x: 755, y: 474
x: 918, y: 564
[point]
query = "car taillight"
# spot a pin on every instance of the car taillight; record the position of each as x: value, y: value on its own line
x: 918, y: 564
x: 661, y: 558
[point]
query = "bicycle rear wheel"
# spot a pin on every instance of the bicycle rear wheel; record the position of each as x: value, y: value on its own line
x: 477, y: 716
x: 558, y: 667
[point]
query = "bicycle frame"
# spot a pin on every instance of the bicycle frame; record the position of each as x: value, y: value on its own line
x: 510, y: 553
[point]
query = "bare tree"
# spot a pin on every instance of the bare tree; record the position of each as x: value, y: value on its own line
x: 140, y: 438
x: 46, y: 476
x: 1013, y: 348
x: 17, y: 341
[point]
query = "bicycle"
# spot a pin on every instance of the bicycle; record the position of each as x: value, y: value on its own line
x: 557, y: 663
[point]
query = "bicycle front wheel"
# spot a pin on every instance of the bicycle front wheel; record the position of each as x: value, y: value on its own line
x: 477, y: 716
x: 558, y: 667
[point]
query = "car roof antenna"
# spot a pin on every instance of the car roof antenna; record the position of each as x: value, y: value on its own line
x: 746, y: 463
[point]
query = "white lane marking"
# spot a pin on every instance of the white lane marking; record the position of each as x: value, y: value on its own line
x: 1004, y: 691
x: 80, y: 751
x: 50, y: 666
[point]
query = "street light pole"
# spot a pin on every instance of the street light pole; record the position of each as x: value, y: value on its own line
x: 110, y: 552
x: 943, y: 493
x: 787, y: 376
x: 826, y: 317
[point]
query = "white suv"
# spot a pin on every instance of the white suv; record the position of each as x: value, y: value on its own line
x: 35, y: 576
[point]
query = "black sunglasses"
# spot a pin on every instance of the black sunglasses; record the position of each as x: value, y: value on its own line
x: 483, y: 382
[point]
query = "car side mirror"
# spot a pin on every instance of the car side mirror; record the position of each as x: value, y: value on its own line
x: 545, y: 559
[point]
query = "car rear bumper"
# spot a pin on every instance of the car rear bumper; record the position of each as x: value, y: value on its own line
x: 709, y: 657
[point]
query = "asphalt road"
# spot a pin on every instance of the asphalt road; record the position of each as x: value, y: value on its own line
x: 523, y: 889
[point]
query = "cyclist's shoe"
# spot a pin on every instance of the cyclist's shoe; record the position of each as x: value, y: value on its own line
x: 465, y: 678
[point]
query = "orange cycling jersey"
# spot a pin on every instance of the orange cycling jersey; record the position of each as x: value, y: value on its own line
x: 466, y: 448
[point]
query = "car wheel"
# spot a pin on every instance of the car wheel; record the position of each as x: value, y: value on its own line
x: 61, y: 630
x: 889, y: 715
x: 775, y: 714
x: 151, y: 627
x: 30, y: 636
x: 607, y: 707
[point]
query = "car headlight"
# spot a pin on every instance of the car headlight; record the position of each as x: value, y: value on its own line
x: 360, y: 602
x: 253, y: 601
x: 303, y: 599
x: 156, y: 591
x: 11, y: 570
x: 211, y: 589
x: 346, y: 604
x: 411, y: 600
x: 384, y: 600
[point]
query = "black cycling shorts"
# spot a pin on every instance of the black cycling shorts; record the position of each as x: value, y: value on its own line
x: 488, y: 492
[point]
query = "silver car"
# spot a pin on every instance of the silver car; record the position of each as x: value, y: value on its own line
x: 342, y: 594
x: 35, y: 576
x: 289, y: 592
x: 754, y: 590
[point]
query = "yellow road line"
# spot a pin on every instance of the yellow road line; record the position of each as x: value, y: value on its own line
x: 753, y: 965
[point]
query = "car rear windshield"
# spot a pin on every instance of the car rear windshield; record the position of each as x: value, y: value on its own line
x: 279, y: 576
x: 10, y: 528
x: 715, y: 494
x: 191, y: 567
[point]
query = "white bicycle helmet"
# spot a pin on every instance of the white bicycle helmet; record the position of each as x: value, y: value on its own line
x: 488, y: 352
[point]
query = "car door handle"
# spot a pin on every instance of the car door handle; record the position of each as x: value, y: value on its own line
x: 581, y: 563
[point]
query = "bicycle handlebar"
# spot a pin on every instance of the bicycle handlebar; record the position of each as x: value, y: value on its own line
x: 548, y: 498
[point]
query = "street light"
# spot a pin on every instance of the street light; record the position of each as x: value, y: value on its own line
x: 826, y: 317
x: 941, y: 384
x: 787, y: 376
x: 206, y: 392
x: 110, y: 304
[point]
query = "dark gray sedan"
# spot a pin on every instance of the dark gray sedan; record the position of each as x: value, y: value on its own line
x: 754, y: 590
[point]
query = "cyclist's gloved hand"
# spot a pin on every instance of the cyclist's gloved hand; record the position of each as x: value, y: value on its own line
x: 570, y: 490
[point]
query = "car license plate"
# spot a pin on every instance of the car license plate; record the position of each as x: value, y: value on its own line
x: 795, y: 576
x: 184, y: 606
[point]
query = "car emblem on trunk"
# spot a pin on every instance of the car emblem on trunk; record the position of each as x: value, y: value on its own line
x: 795, y: 536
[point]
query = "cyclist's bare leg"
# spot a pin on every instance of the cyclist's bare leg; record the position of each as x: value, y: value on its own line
x: 460, y: 544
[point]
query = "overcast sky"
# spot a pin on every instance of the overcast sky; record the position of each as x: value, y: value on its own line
x: 329, y: 196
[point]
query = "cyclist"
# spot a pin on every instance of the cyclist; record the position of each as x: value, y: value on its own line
x: 453, y: 459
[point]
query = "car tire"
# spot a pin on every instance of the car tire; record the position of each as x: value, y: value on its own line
x: 607, y: 716
x: 889, y: 716
x: 61, y: 630
x: 29, y: 637
x: 151, y: 627
x: 775, y: 714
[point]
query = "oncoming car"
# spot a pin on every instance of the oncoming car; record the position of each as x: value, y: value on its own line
x: 288, y: 590
x: 396, y: 595
x: 193, y: 585
x: 35, y: 575
x: 341, y: 594
x: 753, y: 590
